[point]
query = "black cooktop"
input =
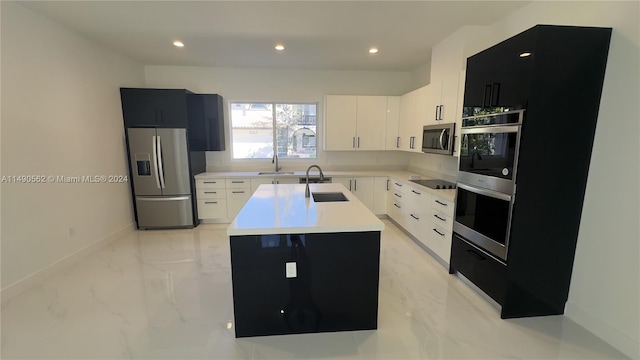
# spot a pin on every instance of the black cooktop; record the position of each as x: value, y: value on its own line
x: 435, y: 184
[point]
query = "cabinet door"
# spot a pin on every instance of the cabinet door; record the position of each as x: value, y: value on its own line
x: 380, y: 194
x: 429, y: 107
x: 347, y: 182
x: 340, y: 122
x: 423, y: 116
x: 138, y: 107
x: 448, y: 111
x: 371, y: 120
x: 206, y: 122
x: 393, y: 123
x: 500, y: 76
x: 172, y: 107
x: 406, y: 129
x: 363, y: 188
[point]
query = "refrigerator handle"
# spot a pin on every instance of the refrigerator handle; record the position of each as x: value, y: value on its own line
x: 160, y: 169
x: 155, y: 161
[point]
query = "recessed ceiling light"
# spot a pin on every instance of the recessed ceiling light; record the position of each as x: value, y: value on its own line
x: 373, y: 50
x: 279, y: 47
x: 178, y: 43
x: 525, y: 54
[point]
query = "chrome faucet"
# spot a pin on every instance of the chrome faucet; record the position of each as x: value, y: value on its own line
x: 275, y: 161
x: 307, y: 193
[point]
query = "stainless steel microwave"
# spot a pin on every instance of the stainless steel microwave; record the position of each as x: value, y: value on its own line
x: 438, y: 139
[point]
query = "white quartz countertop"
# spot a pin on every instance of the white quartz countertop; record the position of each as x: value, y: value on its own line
x: 398, y: 175
x: 283, y: 209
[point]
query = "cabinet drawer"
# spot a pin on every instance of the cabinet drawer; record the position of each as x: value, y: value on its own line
x: 212, y: 209
x: 210, y: 184
x: 440, y: 241
x: 397, y: 186
x: 480, y: 268
x: 238, y: 183
x: 214, y: 193
x: 442, y: 220
x: 442, y: 205
x: 238, y: 193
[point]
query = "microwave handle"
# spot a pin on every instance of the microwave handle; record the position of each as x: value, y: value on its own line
x: 442, y: 138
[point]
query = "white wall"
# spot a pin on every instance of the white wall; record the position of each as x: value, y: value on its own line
x: 236, y: 84
x: 604, y: 294
x: 61, y: 115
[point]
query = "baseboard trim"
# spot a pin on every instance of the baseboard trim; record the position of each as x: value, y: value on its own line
x: 9, y: 292
x: 604, y: 331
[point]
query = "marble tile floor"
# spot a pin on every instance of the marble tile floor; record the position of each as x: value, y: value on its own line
x: 167, y: 295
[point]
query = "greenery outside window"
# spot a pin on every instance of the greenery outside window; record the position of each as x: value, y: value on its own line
x: 261, y: 129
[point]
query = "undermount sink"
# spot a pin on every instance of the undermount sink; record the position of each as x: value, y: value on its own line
x: 276, y: 173
x: 328, y: 196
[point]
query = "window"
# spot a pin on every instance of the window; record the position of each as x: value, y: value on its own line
x: 261, y: 129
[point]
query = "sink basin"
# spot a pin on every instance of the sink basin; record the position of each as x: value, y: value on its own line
x: 328, y: 196
x: 276, y: 173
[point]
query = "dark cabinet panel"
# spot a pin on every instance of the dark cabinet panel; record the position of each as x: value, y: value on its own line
x: 328, y: 291
x: 201, y: 114
x: 479, y: 267
x: 558, y: 84
x: 154, y: 107
x: 206, y: 120
x: 500, y: 76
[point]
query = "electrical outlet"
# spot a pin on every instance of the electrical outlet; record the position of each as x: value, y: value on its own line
x: 290, y: 270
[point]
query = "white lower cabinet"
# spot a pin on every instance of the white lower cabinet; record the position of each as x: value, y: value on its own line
x: 361, y: 187
x: 380, y: 194
x: 238, y: 193
x: 281, y: 180
x: 212, y: 198
x: 427, y: 217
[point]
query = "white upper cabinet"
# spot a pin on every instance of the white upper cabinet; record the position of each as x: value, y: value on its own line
x: 356, y: 122
x: 371, y: 119
x: 443, y: 100
x: 410, y: 129
x: 340, y: 122
x: 393, y: 123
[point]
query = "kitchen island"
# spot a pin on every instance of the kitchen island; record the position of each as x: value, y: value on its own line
x: 300, y: 265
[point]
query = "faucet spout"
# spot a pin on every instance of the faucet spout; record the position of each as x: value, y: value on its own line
x: 307, y: 193
x: 275, y: 161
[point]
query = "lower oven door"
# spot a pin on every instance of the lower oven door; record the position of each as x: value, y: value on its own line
x: 484, y: 218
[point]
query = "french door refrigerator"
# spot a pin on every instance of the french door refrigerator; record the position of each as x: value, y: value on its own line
x: 159, y: 160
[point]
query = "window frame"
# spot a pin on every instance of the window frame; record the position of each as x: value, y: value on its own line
x: 274, y: 103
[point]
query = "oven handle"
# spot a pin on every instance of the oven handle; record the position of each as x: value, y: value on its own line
x: 490, y: 129
x: 489, y: 193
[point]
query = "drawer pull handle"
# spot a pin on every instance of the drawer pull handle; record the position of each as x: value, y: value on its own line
x: 417, y: 218
x: 439, y: 233
x: 439, y: 218
x: 398, y: 184
x: 237, y: 192
x: 415, y: 192
x: 237, y: 182
x: 210, y: 202
x: 396, y: 205
x: 441, y: 203
x: 210, y: 192
x: 210, y: 182
x: 476, y: 255
x: 397, y: 195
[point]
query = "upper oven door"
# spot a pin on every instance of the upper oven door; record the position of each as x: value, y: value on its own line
x: 438, y: 139
x: 488, y: 157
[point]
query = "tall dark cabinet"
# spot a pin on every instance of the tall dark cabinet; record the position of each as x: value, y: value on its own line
x: 555, y: 74
x: 167, y: 134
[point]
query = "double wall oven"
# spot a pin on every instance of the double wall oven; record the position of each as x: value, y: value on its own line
x: 486, y: 180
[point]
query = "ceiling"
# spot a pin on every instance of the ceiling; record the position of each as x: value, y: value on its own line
x: 334, y: 35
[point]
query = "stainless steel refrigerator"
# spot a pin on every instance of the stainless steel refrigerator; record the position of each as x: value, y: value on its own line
x: 162, y: 189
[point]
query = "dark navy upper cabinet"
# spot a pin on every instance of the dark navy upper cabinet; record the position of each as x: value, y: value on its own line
x: 200, y: 114
x: 500, y: 76
x: 164, y: 108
